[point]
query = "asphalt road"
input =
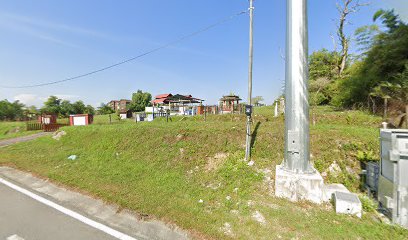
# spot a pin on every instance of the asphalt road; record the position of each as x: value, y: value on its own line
x: 22, y: 217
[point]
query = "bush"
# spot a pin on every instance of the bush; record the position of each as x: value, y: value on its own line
x: 366, y: 156
x: 368, y: 204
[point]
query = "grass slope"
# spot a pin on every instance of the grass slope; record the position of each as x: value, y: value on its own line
x: 13, y: 129
x: 164, y: 169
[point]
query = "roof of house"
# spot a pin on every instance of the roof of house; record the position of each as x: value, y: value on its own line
x: 159, y: 101
x: 166, y: 95
x: 178, y: 98
x: 230, y: 97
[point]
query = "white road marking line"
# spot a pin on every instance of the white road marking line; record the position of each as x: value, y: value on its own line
x: 15, y: 237
x: 68, y: 212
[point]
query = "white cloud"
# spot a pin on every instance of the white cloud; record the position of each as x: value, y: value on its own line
x: 38, y: 101
x: 28, y: 99
x: 67, y: 97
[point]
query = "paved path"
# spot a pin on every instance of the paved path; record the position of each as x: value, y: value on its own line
x: 22, y: 217
x: 10, y: 141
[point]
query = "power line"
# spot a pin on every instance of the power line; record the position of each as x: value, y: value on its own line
x: 136, y: 57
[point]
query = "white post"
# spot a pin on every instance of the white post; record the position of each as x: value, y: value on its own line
x: 276, y: 109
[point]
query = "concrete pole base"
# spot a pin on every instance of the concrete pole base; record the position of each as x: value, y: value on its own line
x: 299, y: 186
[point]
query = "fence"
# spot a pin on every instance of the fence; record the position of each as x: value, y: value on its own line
x: 34, y: 126
x: 45, y: 127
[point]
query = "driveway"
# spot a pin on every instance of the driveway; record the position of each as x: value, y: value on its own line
x: 11, y: 141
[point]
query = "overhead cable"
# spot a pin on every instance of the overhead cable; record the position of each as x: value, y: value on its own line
x: 133, y: 58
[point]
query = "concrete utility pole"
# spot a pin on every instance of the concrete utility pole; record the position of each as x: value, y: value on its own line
x: 296, y: 179
x: 251, y: 51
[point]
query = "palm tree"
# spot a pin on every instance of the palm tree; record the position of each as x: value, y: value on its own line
x: 402, y: 91
x: 384, y: 90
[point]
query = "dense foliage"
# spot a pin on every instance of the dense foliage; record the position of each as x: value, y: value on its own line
x: 385, y: 61
x: 11, y: 110
x: 64, y: 108
x: 377, y: 74
x: 104, y: 109
x: 140, y: 100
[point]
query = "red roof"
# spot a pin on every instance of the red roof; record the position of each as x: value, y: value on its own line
x: 166, y: 95
x: 157, y: 101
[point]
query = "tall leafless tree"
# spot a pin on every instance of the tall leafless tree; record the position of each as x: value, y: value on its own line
x: 345, y: 8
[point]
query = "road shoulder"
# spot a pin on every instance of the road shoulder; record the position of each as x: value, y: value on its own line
x: 125, y: 221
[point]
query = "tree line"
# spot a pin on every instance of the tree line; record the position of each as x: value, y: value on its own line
x: 12, y: 111
x: 64, y: 108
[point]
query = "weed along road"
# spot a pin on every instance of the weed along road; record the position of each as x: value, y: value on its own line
x: 22, y: 217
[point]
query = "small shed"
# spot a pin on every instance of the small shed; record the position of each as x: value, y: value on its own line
x: 230, y: 104
x: 125, y: 114
x: 47, y: 119
x: 80, y: 119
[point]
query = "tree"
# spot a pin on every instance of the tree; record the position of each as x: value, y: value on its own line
x: 90, y: 110
x: 365, y: 37
x: 140, y: 100
x: 386, y: 59
x: 11, y: 110
x: 66, y: 108
x: 345, y: 8
x: 389, y: 19
x: 79, y: 107
x: 322, y: 76
x: 402, y: 94
x: 384, y: 90
x: 52, y: 105
x: 32, y: 110
x: 257, y: 100
x: 105, y: 109
x: 323, y: 64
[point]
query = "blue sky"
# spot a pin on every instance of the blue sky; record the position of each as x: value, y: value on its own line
x: 49, y: 40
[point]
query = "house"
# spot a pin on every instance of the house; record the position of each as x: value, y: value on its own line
x: 47, y: 119
x: 162, y: 99
x: 177, y: 104
x: 80, y: 119
x: 122, y: 107
x: 230, y: 104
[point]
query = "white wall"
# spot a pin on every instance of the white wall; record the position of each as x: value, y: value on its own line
x: 80, y: 121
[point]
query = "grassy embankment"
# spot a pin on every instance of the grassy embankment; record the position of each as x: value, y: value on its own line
x: 13, y: 129
x: 163, y: 169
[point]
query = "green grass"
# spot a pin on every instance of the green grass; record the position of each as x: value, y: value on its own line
x: 13, y: 129
x: 163, y: 169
